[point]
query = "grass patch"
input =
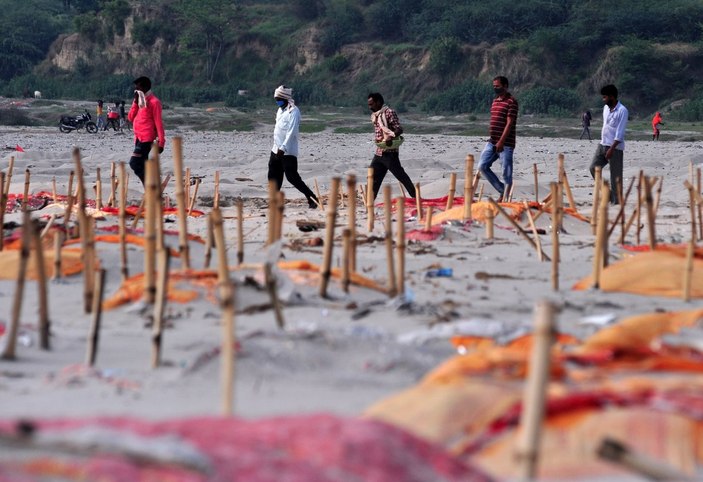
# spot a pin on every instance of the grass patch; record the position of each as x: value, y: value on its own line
x: 312, y: 127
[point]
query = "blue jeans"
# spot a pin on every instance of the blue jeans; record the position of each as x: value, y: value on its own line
x: 488, y: 157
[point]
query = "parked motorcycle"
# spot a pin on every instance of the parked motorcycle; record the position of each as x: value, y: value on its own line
x: 74, y: 123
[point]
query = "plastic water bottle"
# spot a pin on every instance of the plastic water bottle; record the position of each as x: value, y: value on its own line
x: 439, y: 273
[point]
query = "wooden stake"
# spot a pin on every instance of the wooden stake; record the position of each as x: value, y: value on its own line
x: 94, y: 336
x: 596, y: 198
x: 240, y: 231
x: 658, y: 197
x: 535, y: 173
x: 42, y: 286
x: 3, y: 206
x: 98, y: 191
x: 535, y: 395
x: 654, y: 470
x: 489, y: 223
x: 272, y: 212
x: 599, y: 256
x: 392, y: 286
x: 690, y: 251
x: 480, y: 193
x: 151, y: 198
x: 85, y: 235
x: 272, y: 289
x: 216, y: 200
x: 351, y: 192
x: 124, y: 269
x: 418, y: 203
x: 195, y: 196
x: 25, y: 196
x: 400, y: 246
x: 54, y: 194
x: 402, y: 189
x: 186, y: 185
x: 369, y: 200
x: 469, y: 187
x: 640, y: 194
x: 428, y: 219
x: 452, y: 190
x: 209, y: 242
x: 329, y: 236
x: 651, y: 221
x: 280, y: 205
x: 346, y: 261
x: 112, y: 202
x: 699, y: 185
x: 11, y: 335
x: 159, y: 307
x: 319, y: 196
x: 533, y: 227
x: 58, y: 244
x: 556, y: 252
x: 228, y: 327
x: 8, y: 177
x: 620, y: 217
x: 183, y: 247
x: 514, y: 223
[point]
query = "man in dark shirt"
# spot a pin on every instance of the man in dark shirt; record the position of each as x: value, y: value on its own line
x: 502, y: 137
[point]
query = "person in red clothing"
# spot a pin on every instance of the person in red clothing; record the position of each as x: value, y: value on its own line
x: 656, y: 122
x: 147, y: 124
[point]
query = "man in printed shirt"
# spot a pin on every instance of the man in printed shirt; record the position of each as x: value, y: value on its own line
x: 612, y: 140
x: 147, y: 124
x: 502, y: 137
x: 284, y: 153
x: 388, y: 137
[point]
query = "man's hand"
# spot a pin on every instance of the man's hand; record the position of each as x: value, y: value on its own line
x: 161, y: 149
x: 280, y: 154
x: 499, y: 146
x: 136, y: 97
x: 609, y: 153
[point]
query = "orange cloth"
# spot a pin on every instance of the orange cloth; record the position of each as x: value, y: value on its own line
x: 10, y: 260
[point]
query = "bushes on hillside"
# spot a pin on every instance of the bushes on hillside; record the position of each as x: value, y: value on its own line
x: 544, y: 100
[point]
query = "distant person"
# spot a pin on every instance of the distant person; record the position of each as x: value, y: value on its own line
x: 113, y: 118
x: 147, y: 123
x: 388, y: 137
x: 612, y: 140
x: 100, y: 116
x: 501, y: 143
x: 586, y: 124
x: 284, y: 153
x: 123, y: 115
x: 656, y: 122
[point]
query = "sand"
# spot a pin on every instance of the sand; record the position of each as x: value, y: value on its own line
x: 335, y: 355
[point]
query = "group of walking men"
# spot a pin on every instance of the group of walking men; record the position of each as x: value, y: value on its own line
x: 146, y: 116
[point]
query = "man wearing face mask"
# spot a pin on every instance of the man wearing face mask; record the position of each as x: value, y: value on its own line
x: 284, y: 153
x: 502, y: 137
x: 612, y: 142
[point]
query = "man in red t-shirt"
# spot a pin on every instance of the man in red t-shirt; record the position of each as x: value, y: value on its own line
x: 502, y: 137
x: 147, y: 124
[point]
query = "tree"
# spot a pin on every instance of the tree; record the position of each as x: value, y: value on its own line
x: 207, y: 29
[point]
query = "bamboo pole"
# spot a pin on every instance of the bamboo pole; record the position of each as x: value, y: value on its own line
x: 194, y: 197
x: 600, y: 254
x: 112, y: 201
x: 653, y: 470
x: 392, y: 286
x: 535, y: 174
x: 620, y: 217
x: 490, y: 215
x: 272, y: 289
x: 659, y: 195
x: 319, y: 196
x: 216, y: 197
x: 271, y: 221
x: 651, y: 220
x: 533, y: 227
x: 418, y: 202
x: 25, y: 195
x: 58, y: 244
x: 535, y: 394
x: 11, y: 335
x: 183, y: 247
x: 699, y: 186
x: 402, y: 190
x: 228, y: 323
x: 346, y: 261
x: 569, y: 194
x: 510, y: 192
x: 48, y: 226
x: 428, y: 219
x: 186, y: 185
x: 151, y: 198
x: 94, y: 335
x: 369, y: 200
x: 452, y: 190
x: 514, y: 223
x: 351, y: 218
x: 41, y: 285
x: 468, y: 187
x: 596, y: 198
x: 280, y: 205
x: 159, y: 307
x: 329, y: 236
x: 124, y: 269
x: 640, y: 194
x: 98, y: 190
x: 480, y: 193
x: 3, y: 206
x: 209, y: 241
x: 84, y: 230
x: 240, y: 231
x: 8, y: 176
x: 54, y: 194
x: 556, y: 252
x: 400, y: 246
x: 691, y: 248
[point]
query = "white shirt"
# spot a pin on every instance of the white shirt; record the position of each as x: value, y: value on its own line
x: 285, y: 134
x: 614, y: 124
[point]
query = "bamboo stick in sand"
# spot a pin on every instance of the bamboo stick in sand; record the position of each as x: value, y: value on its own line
x: 9, y: 352
x: 392, y: 286
x: 329, y: 236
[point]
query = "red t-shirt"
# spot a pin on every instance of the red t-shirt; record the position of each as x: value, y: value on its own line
x: 147, y: 122
x: 503, y: 107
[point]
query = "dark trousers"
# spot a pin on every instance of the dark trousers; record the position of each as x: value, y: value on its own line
x: 287, y: 165
x: 139, y: 157
x: 615, y: 163
x: 390, y: 161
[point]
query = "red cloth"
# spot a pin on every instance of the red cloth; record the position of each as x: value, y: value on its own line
x: 147, y: 123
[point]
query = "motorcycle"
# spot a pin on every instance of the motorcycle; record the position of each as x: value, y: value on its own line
x: 74, y: 123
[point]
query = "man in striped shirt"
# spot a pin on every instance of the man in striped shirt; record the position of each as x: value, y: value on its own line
x: 502, y: 137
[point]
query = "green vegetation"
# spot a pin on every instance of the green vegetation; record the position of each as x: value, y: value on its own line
x: 433, y: 55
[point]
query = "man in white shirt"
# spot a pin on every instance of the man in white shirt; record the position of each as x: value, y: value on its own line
x: 612, y: 140
x: 284, y: 153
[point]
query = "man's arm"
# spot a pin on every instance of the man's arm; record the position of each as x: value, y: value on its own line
x: 501, y: 142
x: 159, y: 124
